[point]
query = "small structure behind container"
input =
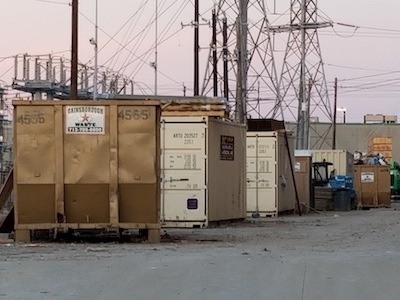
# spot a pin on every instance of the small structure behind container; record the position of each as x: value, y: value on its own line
x: 270, y: 186
x: 86, y: 165
x: 372, y: 184
x: 342, y: 160
x: 302, y: 175
x: 203, y: 171
x: 381, y: 146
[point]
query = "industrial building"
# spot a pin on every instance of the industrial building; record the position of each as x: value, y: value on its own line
x: 352, y: 136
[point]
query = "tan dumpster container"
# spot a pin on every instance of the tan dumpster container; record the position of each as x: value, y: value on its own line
x: 372, y: 184
x: 86, y: 165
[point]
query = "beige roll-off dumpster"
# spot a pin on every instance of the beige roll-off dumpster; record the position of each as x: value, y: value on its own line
x: 86, y: 165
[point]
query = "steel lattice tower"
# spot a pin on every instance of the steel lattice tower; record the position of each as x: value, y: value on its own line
x: 249, y: 74
x: 303, y: 84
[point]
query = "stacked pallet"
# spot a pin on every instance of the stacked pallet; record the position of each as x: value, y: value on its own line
x: 195, y: 107
x: 381, y: 145
x: 323, y: 198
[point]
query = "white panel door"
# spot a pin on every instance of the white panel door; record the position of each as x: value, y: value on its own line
x: 183, y: 163
x: 261, y: 174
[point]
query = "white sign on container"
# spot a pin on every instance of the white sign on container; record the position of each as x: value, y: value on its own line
x: 85, y: 119
x: 367, y: 177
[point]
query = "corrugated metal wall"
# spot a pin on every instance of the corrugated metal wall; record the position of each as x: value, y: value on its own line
x: 354, y: 137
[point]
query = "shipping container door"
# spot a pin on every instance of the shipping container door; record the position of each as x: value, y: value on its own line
x: 261, y: 175
x: 183, y: 185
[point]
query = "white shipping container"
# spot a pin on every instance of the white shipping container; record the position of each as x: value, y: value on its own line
x: 203, y: 173
x: 270, y: 187
x: 343, y: 161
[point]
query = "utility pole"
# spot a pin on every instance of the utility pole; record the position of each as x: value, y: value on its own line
x: 196, y: 48
x: 303, y: 109
x: 241, y: 81
x: 74, y: 52
x: 214, y: 52
x: 96, y: 42
x: 334, y: 116
x: 225, y: 57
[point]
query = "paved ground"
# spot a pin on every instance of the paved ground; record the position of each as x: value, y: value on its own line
x: 333, y: 255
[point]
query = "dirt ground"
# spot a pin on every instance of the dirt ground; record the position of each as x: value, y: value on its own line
x: 326, y: 255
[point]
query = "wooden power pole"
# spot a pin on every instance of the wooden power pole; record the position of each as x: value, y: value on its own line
x: 74, y: 52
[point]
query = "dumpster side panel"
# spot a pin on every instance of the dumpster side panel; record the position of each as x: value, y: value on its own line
x: 138, y: 164
x: 35, y: 154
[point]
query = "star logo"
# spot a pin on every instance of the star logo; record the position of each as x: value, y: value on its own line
x: 85, y: 118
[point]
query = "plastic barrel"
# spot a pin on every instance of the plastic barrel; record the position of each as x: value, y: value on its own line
x: 342, y: 199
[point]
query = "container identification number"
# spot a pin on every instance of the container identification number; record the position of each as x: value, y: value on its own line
x: 134, y: 114
x: 31, y: 118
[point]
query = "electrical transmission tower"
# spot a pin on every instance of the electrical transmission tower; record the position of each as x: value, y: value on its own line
x: 303, y: 85
x: 243, y: 71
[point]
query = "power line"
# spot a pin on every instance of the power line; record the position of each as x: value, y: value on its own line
x: 52, y: 2
x: 358, y: 68
x: 366, y: 27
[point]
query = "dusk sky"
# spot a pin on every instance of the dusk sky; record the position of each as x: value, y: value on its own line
x: 364, y: 54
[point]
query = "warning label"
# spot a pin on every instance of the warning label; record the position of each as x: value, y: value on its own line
x: 367, y: 177
x: 227, y: 147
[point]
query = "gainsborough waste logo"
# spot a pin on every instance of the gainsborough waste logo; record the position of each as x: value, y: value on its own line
x: 85, y: 119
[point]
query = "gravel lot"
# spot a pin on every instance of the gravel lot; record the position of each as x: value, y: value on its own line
x: 329, y: 255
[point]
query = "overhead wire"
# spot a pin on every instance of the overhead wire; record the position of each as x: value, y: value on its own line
x: 166, y: 28
x: 357, y: 68
x: 151, y: 50
x: 52, y: 2
x: 131, y: 29
x: 140, y: 58
x: 144, y: 61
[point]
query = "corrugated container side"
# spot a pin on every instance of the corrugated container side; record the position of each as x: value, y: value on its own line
x: 184, y: 173
x: 262, y: 173
x: 343, y: 161
x: 270, y: 187
x: 285, y: 180
x: 203, y: 171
